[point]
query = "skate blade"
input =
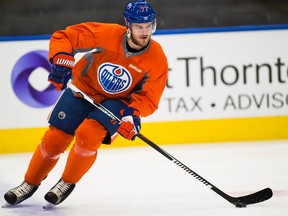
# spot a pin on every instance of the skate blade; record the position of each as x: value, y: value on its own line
x: 48, y: 206
x: 6, y: 205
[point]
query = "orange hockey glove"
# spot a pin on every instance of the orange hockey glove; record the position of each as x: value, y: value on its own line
x: 131, y: 123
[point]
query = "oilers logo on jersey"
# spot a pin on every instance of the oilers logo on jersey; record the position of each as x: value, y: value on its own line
x: 113, y: 78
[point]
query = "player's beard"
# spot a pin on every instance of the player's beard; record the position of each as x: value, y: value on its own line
x: 141, y: 41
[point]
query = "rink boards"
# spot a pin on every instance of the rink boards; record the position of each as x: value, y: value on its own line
x: 201, y: 131
x: 223, y: 85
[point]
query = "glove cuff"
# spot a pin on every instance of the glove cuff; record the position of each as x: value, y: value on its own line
x: 130, y: 111
x: 63, y: 59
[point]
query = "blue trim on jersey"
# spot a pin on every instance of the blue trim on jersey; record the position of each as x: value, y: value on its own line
x: 171, y: 31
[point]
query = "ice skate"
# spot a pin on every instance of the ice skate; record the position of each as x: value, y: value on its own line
x: 19, y: 194
x: 58, y: 193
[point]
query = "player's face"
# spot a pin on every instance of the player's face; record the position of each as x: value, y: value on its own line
x: 141, y: 33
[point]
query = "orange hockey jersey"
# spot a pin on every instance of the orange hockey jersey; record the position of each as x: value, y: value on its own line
x: 109, y: 70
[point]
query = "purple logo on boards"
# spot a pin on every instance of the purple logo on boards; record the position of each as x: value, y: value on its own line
x: 25, y: 92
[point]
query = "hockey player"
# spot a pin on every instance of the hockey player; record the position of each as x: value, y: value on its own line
x: 123, y: 69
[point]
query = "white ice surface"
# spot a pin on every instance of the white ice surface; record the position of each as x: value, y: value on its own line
x: 140, y: 181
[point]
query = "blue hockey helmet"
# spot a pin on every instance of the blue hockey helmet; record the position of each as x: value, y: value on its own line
x: 139, y: 11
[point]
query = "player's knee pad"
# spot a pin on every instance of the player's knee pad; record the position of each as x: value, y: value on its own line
x: 90, y: 134
x: 83, y: 152
x: 55, y: 141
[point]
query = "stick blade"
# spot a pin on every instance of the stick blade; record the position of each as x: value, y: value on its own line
x: 256, y: 197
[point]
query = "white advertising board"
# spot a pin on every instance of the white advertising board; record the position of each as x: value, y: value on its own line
x: 23, y: 79
x: 225, y: 75
x: 211, y: 76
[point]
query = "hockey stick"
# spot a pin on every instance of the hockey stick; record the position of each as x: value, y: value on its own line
x: 239, y: 202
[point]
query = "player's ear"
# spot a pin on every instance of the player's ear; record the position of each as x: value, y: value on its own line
x: 128, y: 32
